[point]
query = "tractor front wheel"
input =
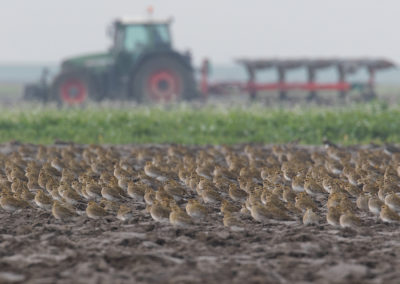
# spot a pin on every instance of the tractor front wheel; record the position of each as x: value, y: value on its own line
x: 163, y: 80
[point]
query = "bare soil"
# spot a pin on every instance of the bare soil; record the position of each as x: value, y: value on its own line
x: 36, y: 248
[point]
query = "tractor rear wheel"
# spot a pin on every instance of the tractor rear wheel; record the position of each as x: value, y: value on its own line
x: 163, y: 80
x: 73, y: 88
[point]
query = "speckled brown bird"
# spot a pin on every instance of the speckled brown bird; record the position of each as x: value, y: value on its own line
x: 232, y: 222
x: 179, y: 218
x: 388, y: 215
x: 62, y: 212
x: 43, y: 201
x: 195, y: 209
x: 310, y: 217
x: 10, y: 203
x: 124, y: 213
x: 159, y: 212
x: 95, y: 211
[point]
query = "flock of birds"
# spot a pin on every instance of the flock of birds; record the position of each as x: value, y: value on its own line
x: 184, y: 185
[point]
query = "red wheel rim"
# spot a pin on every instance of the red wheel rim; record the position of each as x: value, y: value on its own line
x: 73, y: 91
x: 164, y: 85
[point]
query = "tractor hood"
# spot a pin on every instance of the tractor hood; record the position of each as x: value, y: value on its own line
x: 96, y: 61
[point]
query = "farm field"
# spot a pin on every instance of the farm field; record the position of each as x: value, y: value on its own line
x: 206, y: 152
x: 246, y: 222
x: 376, y: 122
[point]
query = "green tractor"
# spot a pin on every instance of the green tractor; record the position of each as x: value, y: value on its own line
x: 141, y: 65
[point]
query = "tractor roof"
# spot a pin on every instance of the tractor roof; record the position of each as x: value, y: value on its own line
x: 142, y: 21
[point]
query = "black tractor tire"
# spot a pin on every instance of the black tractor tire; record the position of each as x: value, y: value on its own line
x: 163, y: 79
x: 74, y: 88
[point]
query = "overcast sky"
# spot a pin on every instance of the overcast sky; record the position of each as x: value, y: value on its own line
x: 49, y: 30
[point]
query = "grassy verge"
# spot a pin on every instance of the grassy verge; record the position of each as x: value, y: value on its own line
x: 357, y: 124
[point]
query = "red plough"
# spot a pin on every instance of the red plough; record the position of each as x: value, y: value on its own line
x: 344, y: 67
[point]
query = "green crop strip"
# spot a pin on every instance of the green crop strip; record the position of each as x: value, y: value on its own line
x: 183, y: 124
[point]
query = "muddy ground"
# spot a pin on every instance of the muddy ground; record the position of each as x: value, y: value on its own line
x: 37, y: 248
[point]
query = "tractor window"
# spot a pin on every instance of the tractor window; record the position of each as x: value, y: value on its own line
x: 161, y: 34
x: 136, y: 37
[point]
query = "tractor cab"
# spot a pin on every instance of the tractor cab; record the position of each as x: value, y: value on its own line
x: 136, y: 35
